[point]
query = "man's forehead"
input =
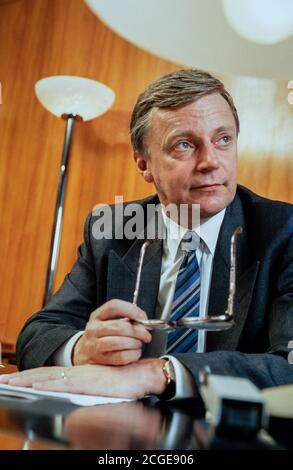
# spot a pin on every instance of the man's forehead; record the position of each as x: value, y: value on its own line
x: 208, y: 103
x: 213, y: 107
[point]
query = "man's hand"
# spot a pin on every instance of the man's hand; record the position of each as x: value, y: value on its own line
x: 110, y: 338
x: 136, y: 380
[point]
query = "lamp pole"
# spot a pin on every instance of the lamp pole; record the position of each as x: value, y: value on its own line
x: 58, y: 215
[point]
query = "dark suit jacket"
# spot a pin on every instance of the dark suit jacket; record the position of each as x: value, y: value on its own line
x: 256, y: 347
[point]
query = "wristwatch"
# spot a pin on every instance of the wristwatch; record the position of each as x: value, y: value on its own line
x: 169, y: 373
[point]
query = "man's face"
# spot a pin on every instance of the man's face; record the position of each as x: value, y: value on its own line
x: 192, y: 154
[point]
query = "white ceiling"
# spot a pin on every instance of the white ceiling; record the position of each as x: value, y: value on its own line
x: 194, y: 33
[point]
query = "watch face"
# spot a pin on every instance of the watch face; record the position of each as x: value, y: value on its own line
x: 170, y: 389
x: 169, y: 371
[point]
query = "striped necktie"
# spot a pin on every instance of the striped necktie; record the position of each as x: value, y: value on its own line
x: 185, y: 303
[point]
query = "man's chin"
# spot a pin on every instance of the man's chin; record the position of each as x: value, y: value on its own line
x: 207, y: 213
x: 210, y: 208
x: 213, y: 201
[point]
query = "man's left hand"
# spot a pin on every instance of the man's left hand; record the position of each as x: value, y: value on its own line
x: 136, y: 380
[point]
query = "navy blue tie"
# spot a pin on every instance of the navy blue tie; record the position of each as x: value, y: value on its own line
x: 185, y: 303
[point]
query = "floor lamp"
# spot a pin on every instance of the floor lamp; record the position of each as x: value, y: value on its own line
x: 73, y: 99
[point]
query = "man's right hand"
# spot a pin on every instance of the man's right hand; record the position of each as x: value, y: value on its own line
x: 109, y: 338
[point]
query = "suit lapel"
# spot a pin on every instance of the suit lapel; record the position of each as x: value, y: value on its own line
x: 246, y: 274
x: 228, y: 340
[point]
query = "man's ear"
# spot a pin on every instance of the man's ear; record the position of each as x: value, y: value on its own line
x: 143, y: 167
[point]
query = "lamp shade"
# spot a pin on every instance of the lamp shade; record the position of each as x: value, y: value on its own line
x: 261, y: 21
x: 197, y: 33
x: 78, y: 96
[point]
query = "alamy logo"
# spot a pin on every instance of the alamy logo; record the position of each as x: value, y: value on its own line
x: 130, y: 220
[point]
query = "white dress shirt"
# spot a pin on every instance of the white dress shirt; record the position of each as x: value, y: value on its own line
x: 205, y: 240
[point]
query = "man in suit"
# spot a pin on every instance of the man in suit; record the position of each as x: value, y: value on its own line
x: 184, y: 132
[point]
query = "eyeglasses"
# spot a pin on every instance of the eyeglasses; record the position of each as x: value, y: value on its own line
x: 212, y: 322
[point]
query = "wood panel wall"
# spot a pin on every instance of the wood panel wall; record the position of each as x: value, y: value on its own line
x: 40, y: 38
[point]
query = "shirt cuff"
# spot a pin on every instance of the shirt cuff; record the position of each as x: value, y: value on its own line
x: 185, y: 384
x: 62, y: 357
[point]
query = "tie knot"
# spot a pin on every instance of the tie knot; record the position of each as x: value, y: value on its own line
x: 189, y: 242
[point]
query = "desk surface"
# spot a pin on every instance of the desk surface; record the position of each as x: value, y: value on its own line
x: 149, y: 424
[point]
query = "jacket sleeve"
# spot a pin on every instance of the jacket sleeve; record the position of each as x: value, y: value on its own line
x: 264, y: 370
x: 65, y: 314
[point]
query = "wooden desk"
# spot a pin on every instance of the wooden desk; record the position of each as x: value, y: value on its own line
x: 9, y: 368
x: 51, y: 424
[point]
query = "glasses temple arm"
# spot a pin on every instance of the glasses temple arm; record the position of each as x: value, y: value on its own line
x: 232, y: 281
x: 139, y: 270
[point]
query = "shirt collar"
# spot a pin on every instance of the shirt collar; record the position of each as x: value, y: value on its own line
x: 208, y: 232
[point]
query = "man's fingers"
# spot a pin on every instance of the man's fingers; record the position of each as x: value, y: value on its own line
x: 116, y: 343
x: 23, y: 381
x: 119, y: 309
x: 26, y: 378
x: 119, y: 358
x: 4, y: 378
x: 58, y: 385
x: 119, y: 328
x: 68, y: 385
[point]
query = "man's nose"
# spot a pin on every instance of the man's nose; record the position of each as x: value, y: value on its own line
x: 207, y: 158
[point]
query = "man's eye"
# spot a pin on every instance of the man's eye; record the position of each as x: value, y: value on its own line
x: 226, y: 139
x: 184, y: 145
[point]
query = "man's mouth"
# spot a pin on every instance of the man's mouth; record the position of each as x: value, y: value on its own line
x: 206, y: 187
